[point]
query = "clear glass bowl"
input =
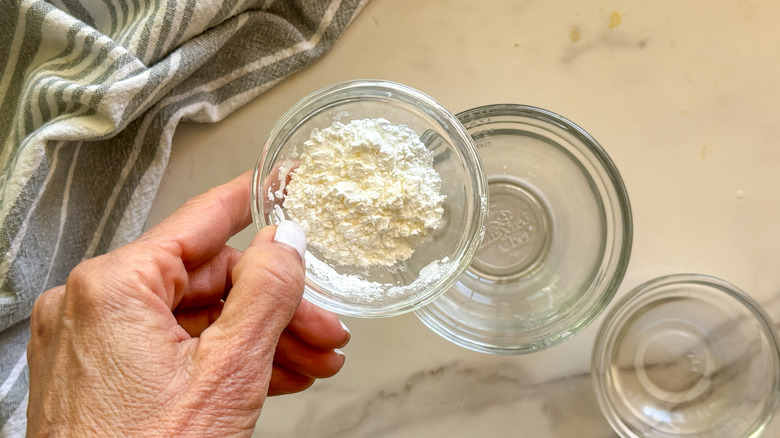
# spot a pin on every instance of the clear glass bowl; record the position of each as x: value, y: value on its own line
x: 558, y: 235
x: 687, y: 356
x: 435, y: 265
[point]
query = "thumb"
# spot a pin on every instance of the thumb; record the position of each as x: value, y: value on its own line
x: 267, y: 287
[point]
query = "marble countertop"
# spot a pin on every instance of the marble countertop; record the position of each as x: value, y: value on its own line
x: 684, y: 97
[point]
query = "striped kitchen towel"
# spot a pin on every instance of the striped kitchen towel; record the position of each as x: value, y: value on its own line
x: 92, y: 91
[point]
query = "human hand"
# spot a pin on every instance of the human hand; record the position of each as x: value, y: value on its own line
x: 140, y: 340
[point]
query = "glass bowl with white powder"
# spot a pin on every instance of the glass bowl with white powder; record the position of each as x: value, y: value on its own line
x: 389, y: 188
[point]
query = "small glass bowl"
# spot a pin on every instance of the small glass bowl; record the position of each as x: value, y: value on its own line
x: 558, y: 235
x: 687, y: 356
x: 435, y: 265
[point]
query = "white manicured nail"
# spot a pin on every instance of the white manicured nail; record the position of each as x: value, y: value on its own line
x: 290, y: 233
x: 344, y: 326
x: 349, y: 333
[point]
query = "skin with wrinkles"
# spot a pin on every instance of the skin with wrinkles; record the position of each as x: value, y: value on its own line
x: 177, y: 334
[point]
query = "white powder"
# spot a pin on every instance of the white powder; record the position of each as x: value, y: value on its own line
x: 365, y: 192
x: 358, y: 290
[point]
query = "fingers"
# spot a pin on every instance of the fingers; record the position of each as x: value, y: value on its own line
x: 318, y: 327
x: 199, y: 229
x: 195, y: 320
x: 210, y: 281
x: 265, y: 330
x: 203, y: 305
x: 287, y: 382
x: 267, y: 288
x: 297, y: 365
x: 267, y: 282
x: 44, y: 330
x: 305, y: 351
x: 297, y: 356
x: 45, y: 315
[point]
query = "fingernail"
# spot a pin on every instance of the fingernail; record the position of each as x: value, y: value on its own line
x: 340, y: 353
x: 290, y: 233
x: 349, y: 334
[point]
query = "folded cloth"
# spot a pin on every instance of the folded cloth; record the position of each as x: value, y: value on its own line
x: 92, y: 91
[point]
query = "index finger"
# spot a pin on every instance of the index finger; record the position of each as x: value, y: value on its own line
x: 201, y: 227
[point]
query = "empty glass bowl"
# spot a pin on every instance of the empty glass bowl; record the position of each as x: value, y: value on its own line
x: 435, y: 265
x: 687, y: 356
x: 558, y: 235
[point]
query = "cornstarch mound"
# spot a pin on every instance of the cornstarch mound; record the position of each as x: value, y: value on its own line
x: 365, y: 192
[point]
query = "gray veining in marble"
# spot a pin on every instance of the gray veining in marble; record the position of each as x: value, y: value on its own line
x: 477, y: 399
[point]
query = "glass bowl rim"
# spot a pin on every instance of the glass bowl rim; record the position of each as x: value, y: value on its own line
x: 621, y: 255
x: 613, y: 321
x: 335, y: 92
